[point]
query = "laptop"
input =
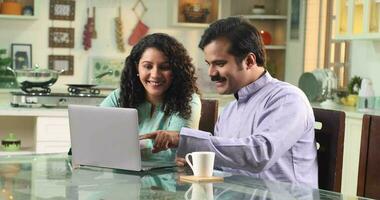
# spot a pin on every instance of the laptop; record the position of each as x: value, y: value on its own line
x: 107, y: 137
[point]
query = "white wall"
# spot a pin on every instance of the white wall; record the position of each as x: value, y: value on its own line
x: 35, y: 32
x: 365, y: 61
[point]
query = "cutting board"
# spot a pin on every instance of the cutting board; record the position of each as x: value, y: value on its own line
x: 200, y: 179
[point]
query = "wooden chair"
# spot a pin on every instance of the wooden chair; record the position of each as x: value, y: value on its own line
x: 209, y: 115
x: 330, y: 138
x: 369, y: 162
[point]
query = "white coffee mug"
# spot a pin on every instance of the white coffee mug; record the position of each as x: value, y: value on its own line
x: 203, y: 163
x: 200, y: 191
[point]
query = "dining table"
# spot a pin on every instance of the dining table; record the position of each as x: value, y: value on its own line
x: 52, y: 176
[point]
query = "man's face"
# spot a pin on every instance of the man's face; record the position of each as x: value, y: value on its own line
x: 228, y: 75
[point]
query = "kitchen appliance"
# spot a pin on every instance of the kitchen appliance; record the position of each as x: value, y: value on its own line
x: 318, y: 85
x: 36, y: 80
x: 56, y: 100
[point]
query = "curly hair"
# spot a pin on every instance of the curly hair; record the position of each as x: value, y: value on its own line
x: 179, y: 94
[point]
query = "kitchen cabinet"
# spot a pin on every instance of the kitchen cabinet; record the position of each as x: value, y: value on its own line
x: 357, y: 19
x: 34, y: 4
x: 40, y: 130
x: 351, y: 151
x: 276, y: 20
x: 52, y: 134
x: 351, y: 154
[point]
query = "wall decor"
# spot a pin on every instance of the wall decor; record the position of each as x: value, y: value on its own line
x: 59, y: 62
x: 21, y: 56
x: 61, y: 37
x: 62, y: 10
x: 195, y: 13
x: 110, y: 67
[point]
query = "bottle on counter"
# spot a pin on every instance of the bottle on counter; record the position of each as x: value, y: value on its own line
x: 366, y: 101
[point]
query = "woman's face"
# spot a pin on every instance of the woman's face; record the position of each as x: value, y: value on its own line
x: 155, y: 74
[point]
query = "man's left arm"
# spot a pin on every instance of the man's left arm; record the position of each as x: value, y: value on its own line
x: 280, y: 126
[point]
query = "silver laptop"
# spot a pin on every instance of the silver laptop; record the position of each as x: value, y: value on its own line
x: 107, y: 137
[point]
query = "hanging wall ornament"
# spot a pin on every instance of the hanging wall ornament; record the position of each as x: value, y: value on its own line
x: 140, y: 29
x: 94, y: 33
x: 119, y: 32
x: 88, y: 31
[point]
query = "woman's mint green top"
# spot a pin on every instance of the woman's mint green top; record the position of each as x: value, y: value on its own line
x: 158, y: 121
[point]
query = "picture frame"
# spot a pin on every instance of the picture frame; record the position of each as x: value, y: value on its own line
x: 59, y: 62
x: 21, y: 56
x: 102, y: 65
x: 62, y: 10
x: 61, y: 37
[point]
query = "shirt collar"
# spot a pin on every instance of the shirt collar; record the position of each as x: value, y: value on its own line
x: 247, y: 91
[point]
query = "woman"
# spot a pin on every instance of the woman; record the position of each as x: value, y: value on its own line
x: 158, y: 80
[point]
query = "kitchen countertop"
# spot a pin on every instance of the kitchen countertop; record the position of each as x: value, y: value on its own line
x: 349, y: 110
x: 7, y: 110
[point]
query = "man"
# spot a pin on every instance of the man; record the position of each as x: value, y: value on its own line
x: 268, y: 131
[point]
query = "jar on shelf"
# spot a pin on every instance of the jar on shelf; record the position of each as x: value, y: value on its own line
x: 267, y: 37
x: 258, y: 9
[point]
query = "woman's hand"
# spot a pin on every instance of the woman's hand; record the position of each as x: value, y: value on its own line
x: 162, y: 140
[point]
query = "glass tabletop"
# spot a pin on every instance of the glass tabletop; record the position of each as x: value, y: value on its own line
x: 52, y: 177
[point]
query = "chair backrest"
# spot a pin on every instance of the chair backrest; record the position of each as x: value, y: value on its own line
x: 330, y: 139
x: 369, y: 162
x: 209, y: 115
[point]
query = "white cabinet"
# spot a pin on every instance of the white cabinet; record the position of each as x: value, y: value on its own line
x: 352, y: 138
x: 52, y: 134
x: 40, y: 130
x: 357, y: 19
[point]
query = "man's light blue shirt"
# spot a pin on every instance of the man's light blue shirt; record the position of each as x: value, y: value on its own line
x: 267, y: 132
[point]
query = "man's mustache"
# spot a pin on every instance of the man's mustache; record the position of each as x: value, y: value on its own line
x: 217, y: 78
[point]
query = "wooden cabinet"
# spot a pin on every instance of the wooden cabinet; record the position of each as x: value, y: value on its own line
x: 29, y: 5
x: 357, y: 19
x: 275, y: 19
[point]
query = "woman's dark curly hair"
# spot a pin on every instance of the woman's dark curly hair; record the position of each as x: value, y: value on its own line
x: 179, y: 95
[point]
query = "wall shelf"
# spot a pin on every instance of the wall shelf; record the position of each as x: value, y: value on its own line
x: 33, y: 3
x: 266, y: 17
x: 22, y: 151
x: 18, y: 17
x: 275, y: 47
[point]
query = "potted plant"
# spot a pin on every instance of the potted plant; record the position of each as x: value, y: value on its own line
x: 7, y: 78
x: 353, y: 90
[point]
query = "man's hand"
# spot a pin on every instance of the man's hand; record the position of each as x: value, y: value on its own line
x: 180, y: 162
x: 162, y: 140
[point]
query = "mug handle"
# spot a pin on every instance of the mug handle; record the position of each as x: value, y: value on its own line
x: 188, y: 161
x: 188, y: 192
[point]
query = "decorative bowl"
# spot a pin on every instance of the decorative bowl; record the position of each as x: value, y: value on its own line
x: 10, y: 143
